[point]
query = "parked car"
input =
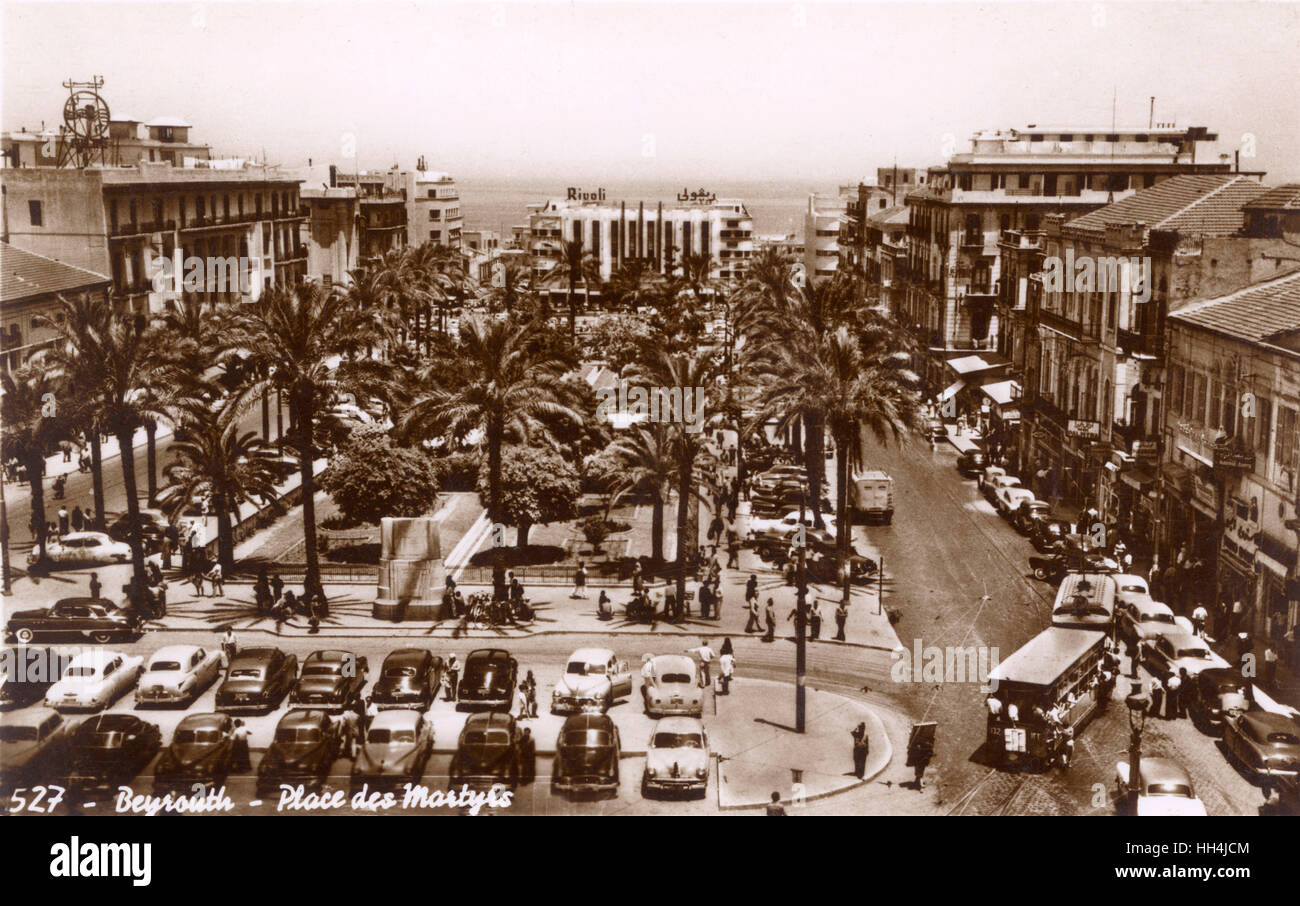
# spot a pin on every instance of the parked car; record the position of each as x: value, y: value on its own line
x: 1264, y: 743
x: 153, y: 527
x: 587, y: 753
x: 177, y: 674
x: 972, y: 462
x: 986, y: 478
x: 489, y: 680
x: 305, y: 745
x: 1173, y: 651
x: 258, y: 679
x: 1047, y: 534
x: 935, y: 430
x: 1164, y: 788
x: 677, y: 759
x: 32, y: 745
x: 82, y: 549
x: 594, y: 678
x: 26, y: 674
x: 674, y: 687
x: 997, y: 483
x: 1029, y: 512
x: 822, y: 569
x: 1145, y: 619
x: 493, y: 749
x: 1008, y: 498
x: 1219, y: 693
x: 409, y: 678
x: 94, y: 618
x: 786, y: 524
x: 785, y: 472
x: 396, y: 747
x: 330, y: 679
x: 201, y: 751
x: 108, y: 749
x: 1130, y: 588
x: 94, y: 679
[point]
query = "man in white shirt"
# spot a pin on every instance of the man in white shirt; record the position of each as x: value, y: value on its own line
x: 705, y: 654
x: 727, y: 668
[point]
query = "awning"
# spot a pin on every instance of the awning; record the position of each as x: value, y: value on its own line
x: 972, y: 364
x: 1138, y: 479
x: 951, y: 390
x: 1002, y: 392
x: 1196, y: 456
x: 1177, y: 476
x: 1010, y: 416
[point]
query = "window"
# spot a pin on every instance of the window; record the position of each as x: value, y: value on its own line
x: 435, y: 214
x: 1176, y: 389
x: 1285, y: 447
x: 1263, y: 423
x: 435, y: 235
x: 35, y: 213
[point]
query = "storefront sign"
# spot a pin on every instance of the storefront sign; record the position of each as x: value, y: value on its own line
x: 1203, y: 492
x: 699, y: 196
x: 575, y: 193
x: 1086, y: 429
x: 1231, y: 458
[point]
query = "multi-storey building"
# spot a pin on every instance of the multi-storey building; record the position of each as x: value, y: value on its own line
x: 1010, y: 180
x: 382, y: 209
x: 30, y: 286
x: 821, y: 234
x: 124, y: 220
x: 1231, y: 464
x: 166, y: 139
x: 659, y: 235
x: 433, y: 209
x: 869, y: 201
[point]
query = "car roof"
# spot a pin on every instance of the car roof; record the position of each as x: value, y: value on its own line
x: 1182, y: 639
x: 396, y: 719
x: 94, y: 656
x: 484, y: 720
x: 71, y: 535
x: 592, y: 655
x: 679, y: 725
x: 1156, y: 769
x: 197, y: 721
x: 330, y: 654
x: 487, y: 653
x: 99, y: 602
x: 173, y: 653
x: 402, y: 655
x: 112, y: 721
x: 1122, y: 579
x: 1148, y: 606
x: 1268, y: 721
x: 255, y: 654
x: 26, y: 717
x: 303, y: 717
x: 1222, y: 674
x: 674, y: 663
x: 587, y: 722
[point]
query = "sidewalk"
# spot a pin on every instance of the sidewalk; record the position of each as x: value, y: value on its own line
x: 109, y: 449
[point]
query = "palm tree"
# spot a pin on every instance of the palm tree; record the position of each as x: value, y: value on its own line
x: 628, y: 285
x: 697, y: 270
x: 649, y: 463
x: 849, y: 382
x: 508, y: 384
x: 516, y: 282
x: 680, y: 375
x: 291, y: 334
x: 77, y: 321
x: 575, y: 265
x: 217, y: 463
x: 32, y: 427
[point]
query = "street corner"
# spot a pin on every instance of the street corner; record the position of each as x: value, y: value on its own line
x: 760, y: 752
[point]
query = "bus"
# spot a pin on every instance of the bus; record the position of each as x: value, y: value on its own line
x: 1085, y: 601
x: 1044, y: 693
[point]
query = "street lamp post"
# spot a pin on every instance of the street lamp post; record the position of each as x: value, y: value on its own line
x: 7, y: 588
x: 1137, y: 714
x: 800, y: 618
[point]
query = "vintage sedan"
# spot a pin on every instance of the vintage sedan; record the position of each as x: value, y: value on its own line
x: 493, y: 750
x: 109, y: 749
x: 396, y: 747
x: 996, y: 483
x: 201, y: 751
x: 1008, y: 498
x: 1048, y: 534
x: 822, y: 569
x: 986, y: 478
x: 673, y: 687
x: 677, y: 759
x: 972, y: 462
x: 489, y: 680
x: 94, y: 679
x: 1029, y: 513
x: 26, y: 674
x: 93, y: 618
x: 1164, y: 789
x: 307, y: 740
x: 1264, y: 743
x: 32, y: 744
x: 258, y: 679
x: 587, y: 753
x: 1143, y: 618
x: 1219, y: 693
x: 1174, y: 651
x: 409, y: 678
x: 82, y: 549
x: 177, y: 675
x: 785, y: 524
x: 594, y: 678
x: 153, y: 527
x: 332, y: 680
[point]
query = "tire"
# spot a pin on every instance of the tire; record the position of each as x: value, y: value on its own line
x: 1040, y: 573
x: 24, y: 635
x: 101, y: 638
x: 645, y: 789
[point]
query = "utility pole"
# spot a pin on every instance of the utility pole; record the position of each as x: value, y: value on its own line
x: 800, y: 624
x: 7, y: 588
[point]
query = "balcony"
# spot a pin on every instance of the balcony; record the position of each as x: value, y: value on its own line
x: 1051, y: 412
x: 1061, y: 324
x: 1022, y: 239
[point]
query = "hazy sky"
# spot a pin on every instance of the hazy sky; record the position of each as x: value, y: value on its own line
x: 649, y: 91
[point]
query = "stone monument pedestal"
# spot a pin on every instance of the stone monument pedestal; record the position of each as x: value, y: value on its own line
x: 411, y: 570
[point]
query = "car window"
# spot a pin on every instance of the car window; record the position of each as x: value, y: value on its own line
x: 1158, y: 617
x: 1283, y: 738
x: 80, y: 670
x: 400, y: 736
x: 665, y: 740
x: 399, y: 670
x: 675, y: 678
x: 587, y: 738
x: 18, y: 734
x: 246, y: 672
x: 197, y: 736
x: 1193, y: 652
x: 297, y: 734
x: 164, y: 666
x: 379, y: 736
x: 1169, y: 789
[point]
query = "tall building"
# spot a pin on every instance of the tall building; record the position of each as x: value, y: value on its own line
x: 867, y: 243
x: 30, y: 286
x: 433, y: 208
x: 164, y: 139
x: 660, y: 235
x: 122, y: 220
x: 1010, y: 180
x: 382, y: 209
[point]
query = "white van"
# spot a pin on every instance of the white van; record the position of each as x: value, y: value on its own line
x: 871, y: 495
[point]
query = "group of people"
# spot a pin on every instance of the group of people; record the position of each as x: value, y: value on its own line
x: 274, y: 600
